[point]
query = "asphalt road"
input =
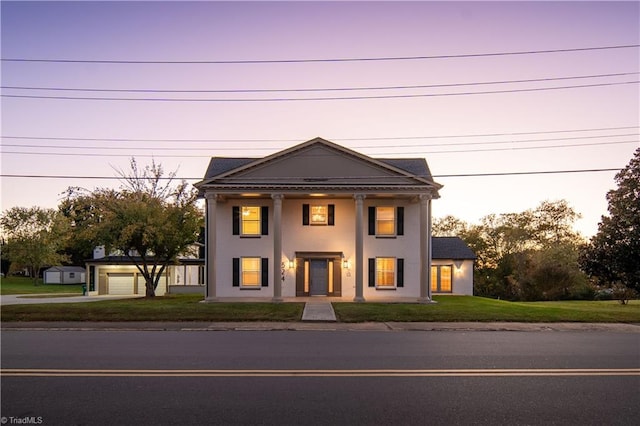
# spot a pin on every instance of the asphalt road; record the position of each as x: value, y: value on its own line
x: 320, y: 378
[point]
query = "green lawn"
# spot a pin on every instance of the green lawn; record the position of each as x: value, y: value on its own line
x: 449, y: 308
x: 469, y: 308
x: 184, y: 307
x: 22, y: 285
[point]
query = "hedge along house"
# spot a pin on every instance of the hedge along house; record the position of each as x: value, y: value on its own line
x: 318, y: 219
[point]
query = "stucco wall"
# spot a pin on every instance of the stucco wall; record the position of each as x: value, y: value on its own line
x: 462, y: 279
x: 299, y: 238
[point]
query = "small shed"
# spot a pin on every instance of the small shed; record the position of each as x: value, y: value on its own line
x: 65, y: 275
x: 451, y: 266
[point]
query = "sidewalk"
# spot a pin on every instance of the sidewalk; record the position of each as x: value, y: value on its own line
x: 322, y: 326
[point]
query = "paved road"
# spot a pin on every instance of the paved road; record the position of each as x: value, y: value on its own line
x: 320, y: 377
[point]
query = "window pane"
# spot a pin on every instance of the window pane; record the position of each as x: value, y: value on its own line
x: 250, y: 220
x: 385, y: 220
x: 318, y: 215
x: 445, y: 278
x: 250, y: 271
x: 385, y: 271
x: 434, y: 278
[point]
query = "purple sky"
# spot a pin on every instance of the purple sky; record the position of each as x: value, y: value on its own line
x: 240, y: 31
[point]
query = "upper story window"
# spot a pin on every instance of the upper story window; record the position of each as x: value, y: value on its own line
x: 250, y: 221
x: 318, y: 214
x: 386, y: 221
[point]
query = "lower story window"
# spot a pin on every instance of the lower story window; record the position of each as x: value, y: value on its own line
x: 250, y: 271
x: 441, y: 278
x: 385, y: 272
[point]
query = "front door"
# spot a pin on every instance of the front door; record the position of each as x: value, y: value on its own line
x: 318, y: 277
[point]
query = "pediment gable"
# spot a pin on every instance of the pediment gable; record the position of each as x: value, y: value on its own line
x: 317, y: 162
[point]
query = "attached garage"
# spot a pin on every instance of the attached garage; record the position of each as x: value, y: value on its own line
x: 120, y: 283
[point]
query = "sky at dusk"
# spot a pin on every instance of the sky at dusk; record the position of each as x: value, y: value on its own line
x: 181, y: 82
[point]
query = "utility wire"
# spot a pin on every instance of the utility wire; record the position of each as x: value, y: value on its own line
x: 378, y: 154
x: 430, y: 145
x: 542, y: 172
x: 326, y: 89
x: 284, y: 61
x: 327, y: 98
x: 472, y: 135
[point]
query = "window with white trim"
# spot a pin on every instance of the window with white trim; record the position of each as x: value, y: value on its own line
x: 250, y: 220
x: 250, y: 272
x: 441, y: 278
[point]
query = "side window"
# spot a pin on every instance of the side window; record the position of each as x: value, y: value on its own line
x: 441, y: 279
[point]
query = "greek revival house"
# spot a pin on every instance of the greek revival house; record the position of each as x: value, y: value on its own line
x: 318, y: 219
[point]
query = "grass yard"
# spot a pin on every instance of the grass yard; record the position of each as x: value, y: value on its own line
x: 469, y: 308
x: 183, y: 307
x: 187, y: 307
x: 23, y: 285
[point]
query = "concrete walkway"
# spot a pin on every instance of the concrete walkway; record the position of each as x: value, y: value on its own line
x: 320, y: 311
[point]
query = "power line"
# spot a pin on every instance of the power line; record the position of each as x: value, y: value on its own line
x: 283, y: 61
x: 326, y: 89
x: 472, y: 135
x: 541, y: 172
x: 327, y: 98
x: 431, y: 145
x: 77, y: 154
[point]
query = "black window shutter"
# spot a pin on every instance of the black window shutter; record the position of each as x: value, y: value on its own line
x: 236, y: 220
x: 264, y: 220
x: 331, y: 221
x: 400, y: 221
x: 305, y: 214
x: 372, y: 272
x: 265, y: 272
x: 400, y: 273
x: 236, y: 272
x: 372, y: 220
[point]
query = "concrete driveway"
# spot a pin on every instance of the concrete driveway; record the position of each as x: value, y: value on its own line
x: 30, y: 299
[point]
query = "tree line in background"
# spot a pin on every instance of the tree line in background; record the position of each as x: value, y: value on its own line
x: 532, y: 255
x: 537, y: 255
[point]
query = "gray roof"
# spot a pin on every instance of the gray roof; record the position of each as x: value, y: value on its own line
x: 414, y: 166
x: 66, y: 269
x: 450, y: 248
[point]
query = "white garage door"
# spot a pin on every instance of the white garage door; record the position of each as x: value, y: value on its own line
x: 120, y: 283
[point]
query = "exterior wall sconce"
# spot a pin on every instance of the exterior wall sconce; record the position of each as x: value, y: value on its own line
x: 292, y: 263
x: 458, y: 264
x: 346, y: 264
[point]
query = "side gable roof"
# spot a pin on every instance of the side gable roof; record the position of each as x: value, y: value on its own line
x: 66, y: 269
x: 450, y: 248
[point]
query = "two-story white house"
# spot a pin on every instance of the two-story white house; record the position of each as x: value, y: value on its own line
x: 318, y: 219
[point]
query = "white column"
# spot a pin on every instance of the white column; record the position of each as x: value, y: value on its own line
x: 210, y: 247
x: 425, y: 248
x: 359, y: 247
x: 277, y: 246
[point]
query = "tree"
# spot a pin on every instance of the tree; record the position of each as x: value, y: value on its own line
x: 34, y: 238
x: 149, y: 221
x: 613, y: 254
x: 530, y: 255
